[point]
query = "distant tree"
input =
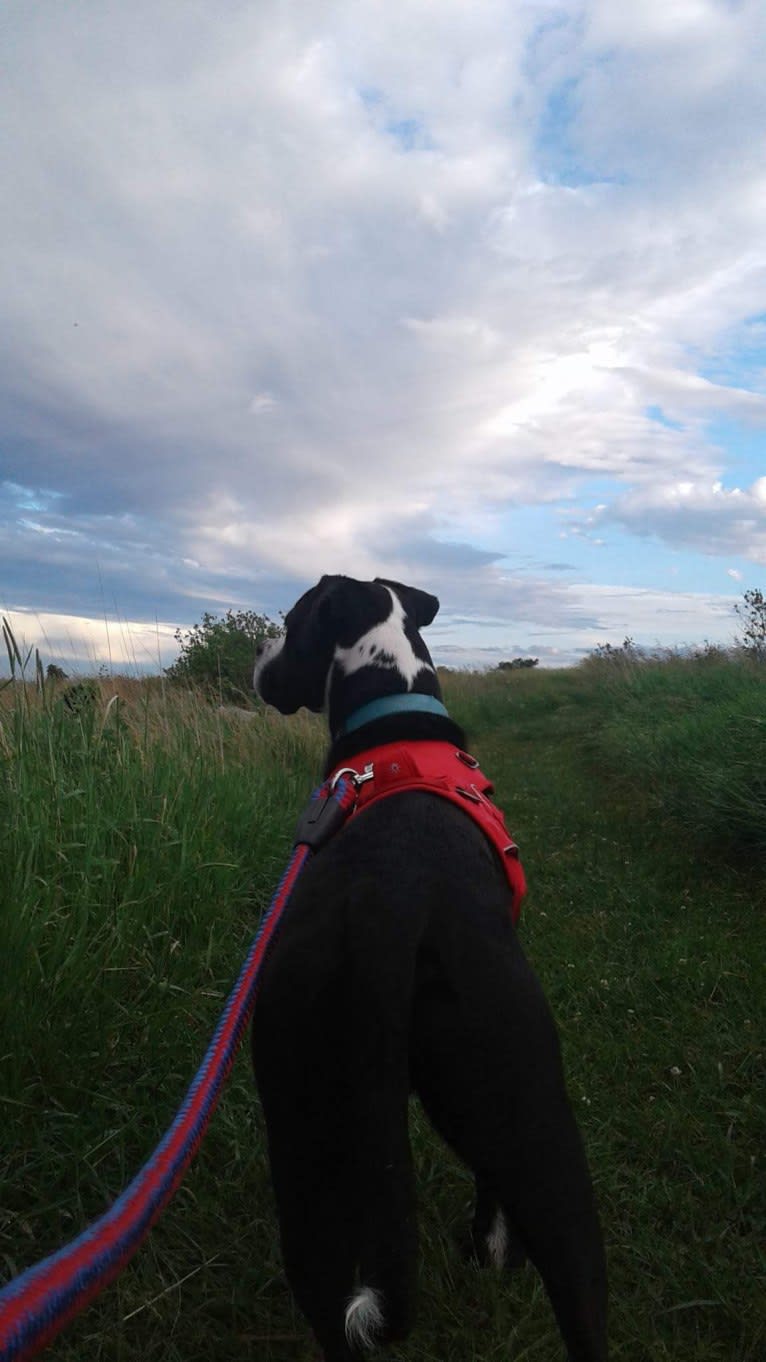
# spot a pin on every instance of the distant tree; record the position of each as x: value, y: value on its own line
x: 752, y: 612
x: 218, y: 654
x: 517, y: 664
x: 54, y: 673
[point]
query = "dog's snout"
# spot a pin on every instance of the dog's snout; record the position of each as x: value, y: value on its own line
x: 266, y: 651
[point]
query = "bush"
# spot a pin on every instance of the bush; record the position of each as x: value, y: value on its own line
x: 752, y: 612
x: 218, y: 654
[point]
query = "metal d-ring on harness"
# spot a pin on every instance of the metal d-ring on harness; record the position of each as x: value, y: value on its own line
x: 35, y: 1305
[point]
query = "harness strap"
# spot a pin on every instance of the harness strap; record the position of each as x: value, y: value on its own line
x: 442, y: 769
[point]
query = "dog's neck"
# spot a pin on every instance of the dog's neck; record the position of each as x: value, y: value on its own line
x: 386, y: 705
x: 394, y: 728
x: 384, y: 689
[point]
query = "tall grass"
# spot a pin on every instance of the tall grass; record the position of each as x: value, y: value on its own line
x: 141, y: 834
x: 689, y: 734
x: 684, y: 737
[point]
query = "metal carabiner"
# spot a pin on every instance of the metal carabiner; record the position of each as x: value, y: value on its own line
x: 357, y: 778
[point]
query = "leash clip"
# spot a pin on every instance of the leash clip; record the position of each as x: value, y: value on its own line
x: 357, y: 778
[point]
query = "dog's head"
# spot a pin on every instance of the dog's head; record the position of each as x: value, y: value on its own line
x: 347, y: 643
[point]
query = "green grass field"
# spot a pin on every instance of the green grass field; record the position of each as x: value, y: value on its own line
x: 142, y: 837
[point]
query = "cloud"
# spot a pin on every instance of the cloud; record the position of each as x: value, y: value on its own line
x: 484, y: 619
x: 704, y: 516
x: 305, y: 288
x: 673, y: 78
x: 81, y: 644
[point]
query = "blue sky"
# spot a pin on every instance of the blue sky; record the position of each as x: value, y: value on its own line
x: 469, y: 296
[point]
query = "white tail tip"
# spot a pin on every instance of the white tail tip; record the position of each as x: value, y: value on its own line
x: 364, y: 1318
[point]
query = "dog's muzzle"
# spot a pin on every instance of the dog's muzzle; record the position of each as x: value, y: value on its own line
x: 265, y: 653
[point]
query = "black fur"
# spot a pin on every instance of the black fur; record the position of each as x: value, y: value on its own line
x: 335, y: 614
x: 398, y: 968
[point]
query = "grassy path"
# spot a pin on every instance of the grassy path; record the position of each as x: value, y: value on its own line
x: 138, y: 868
x: 654, y: 964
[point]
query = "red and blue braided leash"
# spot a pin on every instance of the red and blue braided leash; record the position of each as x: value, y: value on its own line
x: 37, y: 1304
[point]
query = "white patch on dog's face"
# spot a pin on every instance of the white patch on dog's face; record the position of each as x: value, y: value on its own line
x: 271, y: 649
x: 385, y: 645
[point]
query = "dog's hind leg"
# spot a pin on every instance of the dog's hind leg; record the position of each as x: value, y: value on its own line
x: 299, y: 1062
x: 330, y: 1044
x: 381, y: 972
x: 486, y: 1064
x: 316, y: 1231
x: 494, y: 1240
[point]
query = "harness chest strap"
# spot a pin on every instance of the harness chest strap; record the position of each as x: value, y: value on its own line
x: 441, y: 769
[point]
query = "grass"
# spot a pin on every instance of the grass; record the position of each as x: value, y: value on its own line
x: 142, y: 837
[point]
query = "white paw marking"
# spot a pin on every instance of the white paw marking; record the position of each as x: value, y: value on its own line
x: 497, y: 1240
x: 385, y: 645
x: 364, y: 1318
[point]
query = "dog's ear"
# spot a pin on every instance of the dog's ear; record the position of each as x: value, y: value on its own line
x: 293, y: 672
x: 306, y: 622
x: 420, y: 606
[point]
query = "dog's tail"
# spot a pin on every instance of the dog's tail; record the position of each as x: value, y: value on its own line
x: 382, y: 951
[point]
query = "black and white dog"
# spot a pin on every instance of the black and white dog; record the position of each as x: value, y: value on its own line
x: 399, y: 968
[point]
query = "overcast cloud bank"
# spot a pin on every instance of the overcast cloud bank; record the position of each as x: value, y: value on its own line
x: 472, y: 296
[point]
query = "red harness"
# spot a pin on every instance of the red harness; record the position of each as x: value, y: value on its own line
x: 441, y: 769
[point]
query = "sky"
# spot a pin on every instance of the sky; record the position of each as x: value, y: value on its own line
x: 468, y: 296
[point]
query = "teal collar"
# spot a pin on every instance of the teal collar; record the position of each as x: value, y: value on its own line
x: 392, y: 704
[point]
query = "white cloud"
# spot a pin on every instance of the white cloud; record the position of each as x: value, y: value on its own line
x: 82, y: 643
x: 262, y: 402
x: 519, y: 615
x: 704, y: 516
x: 285, y: 284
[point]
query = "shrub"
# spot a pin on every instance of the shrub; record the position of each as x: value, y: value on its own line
x: 218, y: 654
x: 81, y: 697
x: 752, y: 612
